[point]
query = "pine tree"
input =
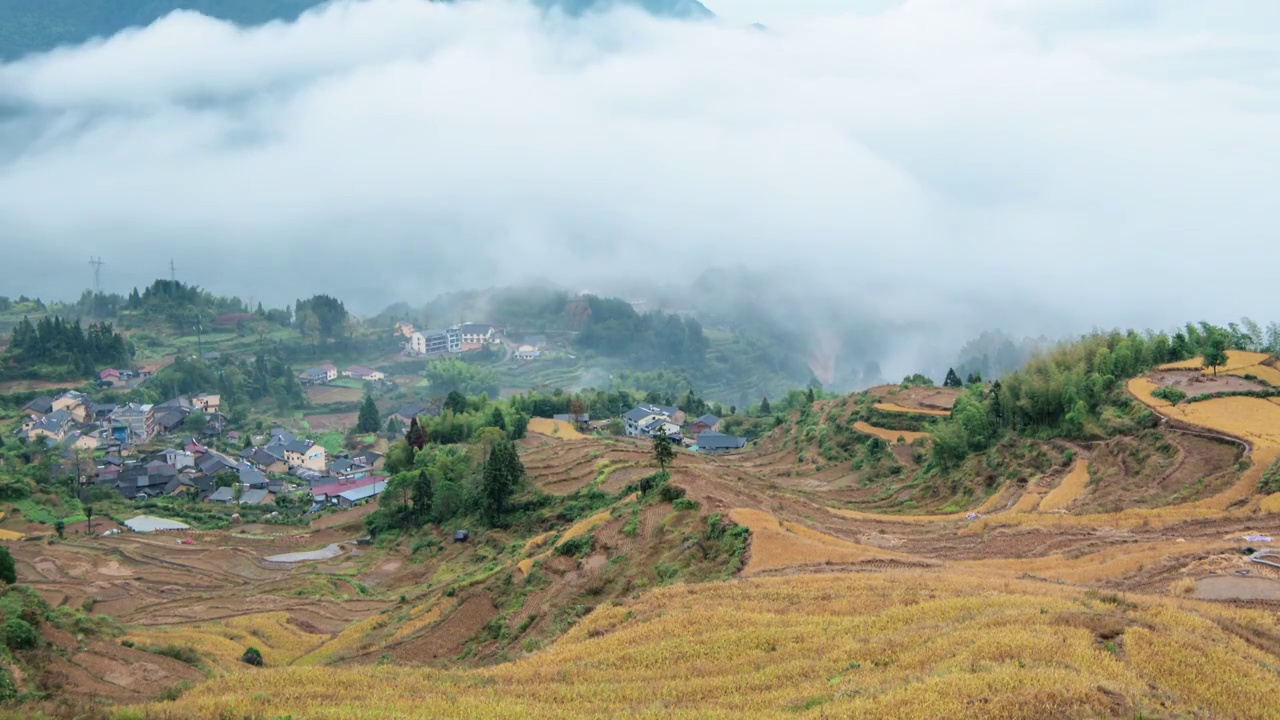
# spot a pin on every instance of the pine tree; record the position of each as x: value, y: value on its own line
x: 764, y: 407
x: 368, y: 421
x: 497, y: 419
x: 953, y: 380
x: 416, y: 437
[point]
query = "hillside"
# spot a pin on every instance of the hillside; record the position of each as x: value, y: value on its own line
x: 835, y: 566
x: 28, y: 26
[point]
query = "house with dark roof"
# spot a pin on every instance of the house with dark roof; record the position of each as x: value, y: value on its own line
x: 212, y: 463
x: 53, y: 426
x: 307, y: 454
x: 347, y: 469
x: 166, y: 422
x: 223, y: 495
x: 266, y: 460
x: 255, y: 496
x: 407, y: 412
x: 717, y: 442
x: 280, y: 436
x: 313, y: 376
x: 38, y: 407
x: 251, y: 476
x: 361, y: 495
x: 368, y: 458
x: 706, y: 423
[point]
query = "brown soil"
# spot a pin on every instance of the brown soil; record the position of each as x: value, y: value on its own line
x: 331, y: 422
x: 1237, y: 587
x: 924, y: 398
x: 449, y: 637
x: 1128, y: 472
x: 1195, y: 383
x: 323, y: 394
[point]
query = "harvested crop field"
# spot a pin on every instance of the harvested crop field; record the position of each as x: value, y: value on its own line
x: 554, y: 428
x: 896, y: 408
x: 889, y: 436
x: 332, y: 422
x: 326, y: 394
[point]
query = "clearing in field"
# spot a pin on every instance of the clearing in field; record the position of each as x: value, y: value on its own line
x: 778, y: 544
x: 902, y: 643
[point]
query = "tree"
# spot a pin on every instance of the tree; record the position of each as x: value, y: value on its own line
x: 497, y: 419
x: 415, y: 437
x: 764, y: 407
x: 393, y: 426
x: 8, y: 571
x: 974, y: 378
x: 455, y: 402
x: 423, y: 496
x: 368, y: 421
x: 60, y: 527
x: 663, y: 453
x: 952, y: 380
x: 1215, y: 353
x: 502, y: 474
x: 810, y: 396
x: 88, y: 513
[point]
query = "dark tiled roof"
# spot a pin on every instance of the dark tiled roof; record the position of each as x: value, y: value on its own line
x: 42, y: 405
x: 720, y: 441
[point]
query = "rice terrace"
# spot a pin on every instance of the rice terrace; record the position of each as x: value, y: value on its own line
x: 823, y: 570
x: 639, y: 359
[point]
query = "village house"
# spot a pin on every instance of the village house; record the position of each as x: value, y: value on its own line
x: 527, y: 352
x: 329, y: 492
x: 313, y: 376
x: 38, y: 407
x: 307, y: 454
x: 360, y: 496
x: 473, y: 336
x: 53, y: 426
x: 207, y: 403
x: 648, y: 420
x: 706, y: 423
x: 110, y: 378
x: 75, y: 403
x: 717, y: 442
x: 369, y: 459
x: 330, y: 371
x: 345, y: 469
x: 406, y: 413
x: 133, y: 418
x: 360, y: 372
x: 434, y: 342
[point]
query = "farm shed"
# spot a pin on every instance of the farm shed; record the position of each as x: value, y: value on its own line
x: 360, y: 496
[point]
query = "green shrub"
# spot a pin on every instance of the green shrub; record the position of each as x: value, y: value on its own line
x: 683, y: 504
x: 1170, y: 394
x: 18, y: 634
x: 579, y: 546
x: 252, y: 656
x: 181, y: 653
x: 670, y: 493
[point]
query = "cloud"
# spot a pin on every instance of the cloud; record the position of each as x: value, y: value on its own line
x: 974, y: 162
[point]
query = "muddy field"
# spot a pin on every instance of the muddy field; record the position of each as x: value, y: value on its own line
x: 325, y: 394
x: 336, y: 422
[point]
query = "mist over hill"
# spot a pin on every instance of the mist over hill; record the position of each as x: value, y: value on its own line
x: 28, y: 26
x: 882, y: 186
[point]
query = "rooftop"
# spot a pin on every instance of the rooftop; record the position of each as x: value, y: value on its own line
x: 147, y: 523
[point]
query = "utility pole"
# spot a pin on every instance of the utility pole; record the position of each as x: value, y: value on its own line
x: 97, y: 264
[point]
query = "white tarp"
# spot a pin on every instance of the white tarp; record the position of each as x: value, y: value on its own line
x: 147, y: 523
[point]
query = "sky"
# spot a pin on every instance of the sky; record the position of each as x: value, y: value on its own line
x: 1036, y: 166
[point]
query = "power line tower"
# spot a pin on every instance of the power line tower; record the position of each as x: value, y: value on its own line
x: 173, y: 272
x: 97, y: 264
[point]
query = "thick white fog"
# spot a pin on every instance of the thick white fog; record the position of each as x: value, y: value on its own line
x: 999, y: 162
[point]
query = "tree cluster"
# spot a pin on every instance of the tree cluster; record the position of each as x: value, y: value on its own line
x: 52, y: 347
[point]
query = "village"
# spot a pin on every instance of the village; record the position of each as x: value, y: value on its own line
x: 186, y: 447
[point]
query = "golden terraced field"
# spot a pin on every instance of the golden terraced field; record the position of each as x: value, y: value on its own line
x: 900, y: 644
